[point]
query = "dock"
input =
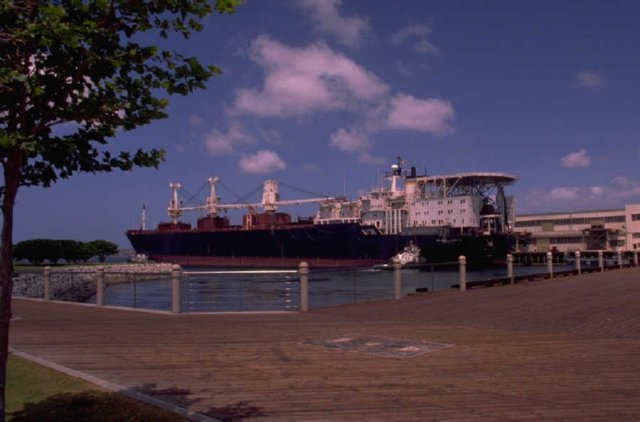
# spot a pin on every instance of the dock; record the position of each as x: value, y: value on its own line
x: 558, y: 349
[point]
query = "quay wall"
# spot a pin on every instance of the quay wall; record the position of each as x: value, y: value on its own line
x: 78, y: 283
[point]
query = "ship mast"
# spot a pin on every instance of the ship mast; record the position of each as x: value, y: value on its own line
x: 213, y: 200
x: 174, y: 205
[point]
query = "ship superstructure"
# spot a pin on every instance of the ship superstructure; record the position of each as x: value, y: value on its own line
x: 468, y: 203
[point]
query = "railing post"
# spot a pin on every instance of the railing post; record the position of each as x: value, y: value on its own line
x: 462, y: 260
x: 100, y: 287
x: 176, y: 274
x: 550, y: 264
x: 620, y: 258
x: 601, y: 260
x: 578, y: 263
x: 510, y: 268
x: 303, y: 271
x: 46, y: 282
x: 397, y: 281
x: 635, y: 258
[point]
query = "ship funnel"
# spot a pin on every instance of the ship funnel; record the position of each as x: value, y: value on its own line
x: 270, y: 196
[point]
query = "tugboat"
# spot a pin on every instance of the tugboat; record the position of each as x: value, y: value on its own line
x: 409, y: 257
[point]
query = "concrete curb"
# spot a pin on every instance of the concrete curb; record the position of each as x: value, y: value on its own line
x: 186, y: 413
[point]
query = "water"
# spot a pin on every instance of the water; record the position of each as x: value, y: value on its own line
x: 281, y: 292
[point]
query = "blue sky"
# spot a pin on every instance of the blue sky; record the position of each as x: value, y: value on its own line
x: 323, y: 95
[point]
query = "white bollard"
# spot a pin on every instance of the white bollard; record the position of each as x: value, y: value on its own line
x: 578, y: 263
x: 100, y: 287
x: 463, y: 272
x: 46, y: 281
x: 176, y: 275
x: 601, y: 260
x: 620, y: 258
x: 550, y: 264
x: 303, y: 271
x: 397, y: 283
x: 510, y: 267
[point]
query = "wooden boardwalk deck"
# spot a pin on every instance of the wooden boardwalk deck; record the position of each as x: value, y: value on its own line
x: 565, y: 349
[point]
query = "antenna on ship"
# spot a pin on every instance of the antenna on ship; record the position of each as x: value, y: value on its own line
x: 396, y: 173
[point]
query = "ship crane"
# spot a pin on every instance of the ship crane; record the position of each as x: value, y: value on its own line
x: 212, y: 206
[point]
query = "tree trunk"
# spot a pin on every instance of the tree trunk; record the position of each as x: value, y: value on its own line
x: 11, y: 182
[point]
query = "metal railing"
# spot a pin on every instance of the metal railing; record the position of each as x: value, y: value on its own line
x: 292, y: 290
x: 616, y: 260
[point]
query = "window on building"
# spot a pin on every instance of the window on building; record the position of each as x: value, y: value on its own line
x: 615, y: 219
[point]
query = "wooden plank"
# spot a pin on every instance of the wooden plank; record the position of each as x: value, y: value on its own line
x: 565, y: 348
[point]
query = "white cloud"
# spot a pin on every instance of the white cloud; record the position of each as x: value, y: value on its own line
x: 367, y: 158
x: 417, y: 36
x: 219, y: 143
x: 349, y: 141
x: 564, y: 194
x: 596, y: 191
x: 348, y: 31
x: 620, y: 191
x: 303, y: 80
x: 263, y: 161
x: 429, y: 115
x: 311, y: 80
x: 196, y: 121
x: 576, y: 159
x: 621, y: 181
x: 589, y: 79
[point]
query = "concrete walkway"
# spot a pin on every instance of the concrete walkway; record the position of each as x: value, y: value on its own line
x: 563, y: 349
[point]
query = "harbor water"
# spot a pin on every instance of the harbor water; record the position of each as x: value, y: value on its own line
x: 281, y: 292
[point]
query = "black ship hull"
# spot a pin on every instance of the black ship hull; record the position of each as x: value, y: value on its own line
x: 327, y: 245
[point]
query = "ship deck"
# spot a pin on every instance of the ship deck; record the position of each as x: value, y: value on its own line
x: 561, y: 349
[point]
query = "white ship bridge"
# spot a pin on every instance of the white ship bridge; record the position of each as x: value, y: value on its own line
x: 466, y: 202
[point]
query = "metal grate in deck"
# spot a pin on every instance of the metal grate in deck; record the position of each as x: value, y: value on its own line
x: 380, y: 346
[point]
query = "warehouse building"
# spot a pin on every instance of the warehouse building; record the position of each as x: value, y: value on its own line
x: 611, y: 230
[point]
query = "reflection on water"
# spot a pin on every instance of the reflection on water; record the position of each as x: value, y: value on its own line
x: 281, y: 292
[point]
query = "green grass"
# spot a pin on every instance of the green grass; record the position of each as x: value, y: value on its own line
x: 27, y: 268
x: 37, y: 393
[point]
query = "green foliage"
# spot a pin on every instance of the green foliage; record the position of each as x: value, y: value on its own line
x: 85, y: 65
x: 72, y: 75
x: 74, y: 251
x: 37, y: 251
x: 103, y: 248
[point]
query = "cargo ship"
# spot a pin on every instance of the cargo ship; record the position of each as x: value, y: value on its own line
x: 445, y: 216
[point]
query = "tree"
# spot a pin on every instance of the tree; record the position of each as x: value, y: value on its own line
x: 103, y: 248
x: 90, y: 66
x: 74, y: 251
x: 34, y: 250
